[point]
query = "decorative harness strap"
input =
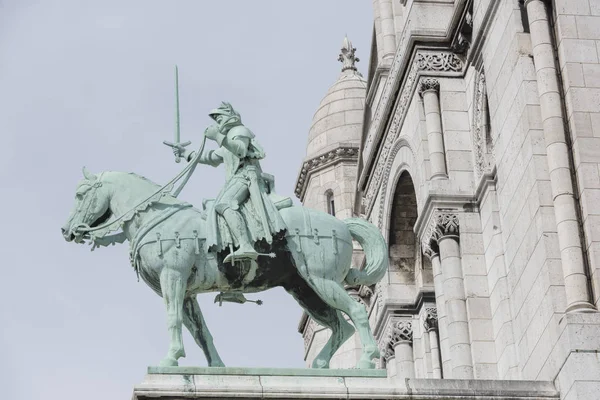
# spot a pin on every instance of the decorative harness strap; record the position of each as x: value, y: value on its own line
x: 136, y: 242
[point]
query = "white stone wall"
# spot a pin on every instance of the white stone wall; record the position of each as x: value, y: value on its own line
x: 501, y: 184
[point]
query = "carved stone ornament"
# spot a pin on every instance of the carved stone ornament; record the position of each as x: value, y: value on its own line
x: 443, y: 62
x: 482, y: 145
x: 440, y: 224
x: 400, y: 331
x: 324, y: 160
x: 429, y: 84
x: 430, y: 320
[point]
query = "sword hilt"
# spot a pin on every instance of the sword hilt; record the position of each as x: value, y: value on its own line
x: 179, y: 146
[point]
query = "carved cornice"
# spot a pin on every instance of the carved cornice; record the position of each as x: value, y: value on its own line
x: 430, y: 319
x: 441, y: 62
x: 429, y: 84
x: 343, y: 153
x: 442, y: 223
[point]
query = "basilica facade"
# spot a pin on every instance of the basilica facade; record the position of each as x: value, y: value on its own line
x: 473, y: 143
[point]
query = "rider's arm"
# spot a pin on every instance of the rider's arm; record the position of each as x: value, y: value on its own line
x: 212, y: 157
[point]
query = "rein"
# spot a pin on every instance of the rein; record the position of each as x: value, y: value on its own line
x: 187, y: 172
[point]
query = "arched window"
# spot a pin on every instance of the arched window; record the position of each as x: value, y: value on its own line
x: 330, y: 202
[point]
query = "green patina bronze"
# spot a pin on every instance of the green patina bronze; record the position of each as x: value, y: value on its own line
x: 247, y: 240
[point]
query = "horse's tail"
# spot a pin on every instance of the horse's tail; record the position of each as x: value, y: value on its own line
x: 375, y: 250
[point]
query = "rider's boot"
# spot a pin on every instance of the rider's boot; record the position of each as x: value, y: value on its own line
x: 238, y: 230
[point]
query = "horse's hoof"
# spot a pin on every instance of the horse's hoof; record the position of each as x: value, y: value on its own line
x: 320, y: 364
x: 169, y: 362
x: 218, y: 364
x: 365, y: 364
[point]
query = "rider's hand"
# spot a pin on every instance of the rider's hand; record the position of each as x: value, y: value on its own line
x: 211, y: 132
x: 180, y: 151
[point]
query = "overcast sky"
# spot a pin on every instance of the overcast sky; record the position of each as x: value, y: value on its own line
x: 91, y: 83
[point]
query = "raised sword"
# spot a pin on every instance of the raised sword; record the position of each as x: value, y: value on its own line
x: 177, y: 143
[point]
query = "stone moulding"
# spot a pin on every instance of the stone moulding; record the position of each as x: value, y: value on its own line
x: 272, y: 383
x: 425, y: 62
x: 309, y: 167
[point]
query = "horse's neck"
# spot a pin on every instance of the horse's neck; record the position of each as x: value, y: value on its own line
x: 129, y: 191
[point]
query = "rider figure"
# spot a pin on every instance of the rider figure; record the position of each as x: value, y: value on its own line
x: 241, y: 154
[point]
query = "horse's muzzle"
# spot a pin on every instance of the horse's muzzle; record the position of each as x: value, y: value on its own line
x: 67, y: 234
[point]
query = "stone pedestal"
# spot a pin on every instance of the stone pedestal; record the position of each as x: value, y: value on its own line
x: 257, y: 383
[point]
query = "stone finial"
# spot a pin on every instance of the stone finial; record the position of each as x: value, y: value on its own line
x: 430, y: 320
x: 429, y: 84
x: 347, y: 57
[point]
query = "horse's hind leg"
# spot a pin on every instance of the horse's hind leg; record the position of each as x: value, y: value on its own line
x: 173, y: 284
x: 325, y: 315
x: 336, y: 296
x: 194, y: 321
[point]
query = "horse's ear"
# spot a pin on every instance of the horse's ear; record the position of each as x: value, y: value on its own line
x: 88, y: 175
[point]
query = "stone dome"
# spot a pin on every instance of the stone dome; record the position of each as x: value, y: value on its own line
x: 338, y: 120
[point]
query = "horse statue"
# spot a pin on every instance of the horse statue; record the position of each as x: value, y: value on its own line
x: 310, y: 260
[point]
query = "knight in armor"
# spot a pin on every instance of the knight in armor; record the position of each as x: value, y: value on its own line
x: 242, y: 213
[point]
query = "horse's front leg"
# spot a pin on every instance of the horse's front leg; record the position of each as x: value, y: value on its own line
x: 194, y: 321
x: 173, y: 285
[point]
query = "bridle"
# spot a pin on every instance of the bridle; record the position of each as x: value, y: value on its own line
x: 165, y: 189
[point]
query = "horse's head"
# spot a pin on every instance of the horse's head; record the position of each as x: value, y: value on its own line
x: 91, y: 207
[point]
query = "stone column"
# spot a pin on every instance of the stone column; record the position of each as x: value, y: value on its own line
x: 431, y: 250
x: 398, y: 352
x: 443, y: 231
x: 567, y: 225
x: 403, y: 351
x: 388, y: 30
x: 456, y: 306
x: 429, y: 89
x: 431, y: 325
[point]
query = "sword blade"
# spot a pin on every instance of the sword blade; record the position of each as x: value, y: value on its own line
x: 177, y: 129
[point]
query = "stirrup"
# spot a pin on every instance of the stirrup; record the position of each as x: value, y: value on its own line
x: 236, y: 255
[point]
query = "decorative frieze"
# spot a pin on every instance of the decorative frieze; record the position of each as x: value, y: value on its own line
x: 332, y: 157
x: 440, y: 62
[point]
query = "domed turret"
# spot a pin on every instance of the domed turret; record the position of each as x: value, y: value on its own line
x: 339, y: 116
x: 327, y: 178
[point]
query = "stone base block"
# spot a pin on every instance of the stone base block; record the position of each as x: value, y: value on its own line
x: 170, y: 383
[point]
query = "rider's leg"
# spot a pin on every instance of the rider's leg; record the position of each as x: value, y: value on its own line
x: 228, y: 206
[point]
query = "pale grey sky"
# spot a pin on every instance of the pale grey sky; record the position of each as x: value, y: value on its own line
x: 91, y: 83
